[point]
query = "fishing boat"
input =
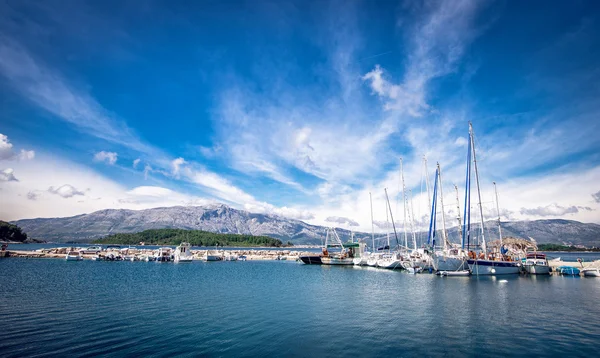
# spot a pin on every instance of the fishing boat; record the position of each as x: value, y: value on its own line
x: 568, y: 271
x: 73, y: 255
x: 183, y: 253
x: 348, y: 251
x: 483, y: 263
x: 536, y: 264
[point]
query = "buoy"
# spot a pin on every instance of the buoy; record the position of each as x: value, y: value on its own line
x: 493, y: 270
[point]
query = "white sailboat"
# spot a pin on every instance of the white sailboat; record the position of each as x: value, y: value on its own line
x: 392, y: 259
x: 484, y: 264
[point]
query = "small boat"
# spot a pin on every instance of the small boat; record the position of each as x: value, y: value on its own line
x: 163, y: 254
x: 568, y: 271
x: 414, y: 270
x: 242, y: 258
x: 536, y: 264
x: 73, y: 256
x: 182, y: 253
x: 214, y: 256
x: 454, y: 273
x: 591, y: 272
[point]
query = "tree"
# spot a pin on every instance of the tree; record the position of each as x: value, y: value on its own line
x: 10, y: 232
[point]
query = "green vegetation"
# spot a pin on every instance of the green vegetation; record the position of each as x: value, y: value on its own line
x: 194, y: 237
x: 558, y: 247
x: 10, y: 232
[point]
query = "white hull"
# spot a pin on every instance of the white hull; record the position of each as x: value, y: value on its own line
x: 537, y: 269
x: 591, y: 272
x: 489, y: 267
x: 372, y: 260
x: 183, y: 259
x: 390, y: 264
x: 449, y: 263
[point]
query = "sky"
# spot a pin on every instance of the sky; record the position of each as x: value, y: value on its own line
x: 300, y: 109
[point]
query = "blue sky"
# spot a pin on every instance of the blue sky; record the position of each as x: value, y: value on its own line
x: 297, y: 108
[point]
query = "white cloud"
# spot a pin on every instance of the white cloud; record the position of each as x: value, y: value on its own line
x: 50, y: 91
x: 135, y: 163
x: 7, y: 153
x: 553, y: 210
x: 33, y: 195
x: 109, y: 158
x: 7, y: 175
x: 66, y: 191
x: 175, y: 165
x: 341, y: 220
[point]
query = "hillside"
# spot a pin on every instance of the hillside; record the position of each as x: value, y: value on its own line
x: 194, y: 237
x: 223, y: 219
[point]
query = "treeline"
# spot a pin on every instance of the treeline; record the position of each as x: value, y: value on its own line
x: 558, y: 247
x: 10, y: 232
x: 194, y: 237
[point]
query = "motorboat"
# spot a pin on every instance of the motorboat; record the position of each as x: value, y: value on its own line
x: 536, y: 264
x: 183, y: 253
x: 591, y: 272
x: 163, y: 254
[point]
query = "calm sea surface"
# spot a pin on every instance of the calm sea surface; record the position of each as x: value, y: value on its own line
x: 52, y: 307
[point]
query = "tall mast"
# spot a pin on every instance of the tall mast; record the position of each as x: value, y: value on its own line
x: 498, y: 208
x: 427, y: 183
x: 403, y: 202
x: 458, y: 214
x: 412, y: 220
x: 387, y: 225
x: 483, y: 245
x: 372, y: 225
x: 392, y: 217
x: 444, y: 235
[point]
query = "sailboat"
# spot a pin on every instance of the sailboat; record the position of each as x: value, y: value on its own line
x: 484, y: 263
x: 392, y: 259
x: 450, y: 258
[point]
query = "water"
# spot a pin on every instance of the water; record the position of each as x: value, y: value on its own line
x: 279, y: 308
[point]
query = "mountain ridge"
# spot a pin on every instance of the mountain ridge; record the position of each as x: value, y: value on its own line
x: 221, y: 218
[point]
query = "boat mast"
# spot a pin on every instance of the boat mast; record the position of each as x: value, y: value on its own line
x: 403, y: 202
x: 458, y: 214
x: 427, y: 183
x: 392, y: 217
x: 372, y: 225
x: 412, y: 220
x: 483, y: 246
x: 444, y: 235
x: 498, y: 209
x: 387, y: 226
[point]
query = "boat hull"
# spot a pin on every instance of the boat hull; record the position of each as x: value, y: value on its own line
x: 311, y: 260
x: 594, y: 272
x: 448, y: 263
x: 489, y: 267
x: 454, y: 273
x: 537, y: 269
x: 337, y: 261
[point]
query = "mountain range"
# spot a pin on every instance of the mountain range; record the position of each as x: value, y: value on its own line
x: 224, y: 219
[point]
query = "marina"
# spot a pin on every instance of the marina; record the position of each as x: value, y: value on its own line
x: 225, y: 308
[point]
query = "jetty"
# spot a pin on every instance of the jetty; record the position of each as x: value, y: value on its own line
x: 249, y: 254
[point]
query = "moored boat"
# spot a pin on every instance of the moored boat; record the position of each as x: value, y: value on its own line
x: 568, y: 271
x: 536, y: 264
x: 591, y: 272
x: 183, y: 253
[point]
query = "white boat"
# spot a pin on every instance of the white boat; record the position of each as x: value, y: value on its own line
x: 183, y: 253
x: 536, y: 264
x: 73, y: 256
x: 163, y: 254
x: 591, y: 272
x: 389, y: 261
x: 448, y: 261
x: 212, y: 256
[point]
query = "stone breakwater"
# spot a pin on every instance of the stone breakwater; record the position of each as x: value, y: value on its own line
x: 249, y: 254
